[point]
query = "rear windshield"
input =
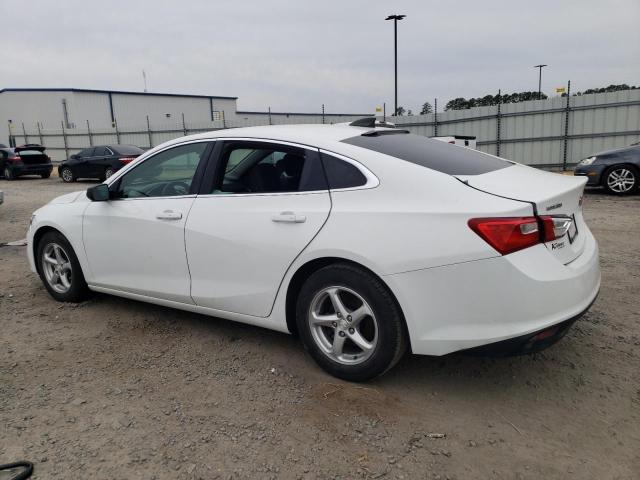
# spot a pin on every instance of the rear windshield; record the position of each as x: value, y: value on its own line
x: 433, y: 154
x: 23, y: 153
x: 127, y: 149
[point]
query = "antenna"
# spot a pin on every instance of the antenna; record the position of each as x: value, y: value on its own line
x: 144, y: 78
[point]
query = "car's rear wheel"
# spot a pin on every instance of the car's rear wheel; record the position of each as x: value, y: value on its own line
x: 8, y: 174
x: 67, y: 175
x: 108, y: 172
x: 350, y: 323
x: 59, y: 269
x: 45, y: 175
x: 621, y: 180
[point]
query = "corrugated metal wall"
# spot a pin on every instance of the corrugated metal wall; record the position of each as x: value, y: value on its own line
x: 534, y: 132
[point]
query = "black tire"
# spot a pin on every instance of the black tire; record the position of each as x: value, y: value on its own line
x: 108, y: 172
x: 8, y: 174
x: 629, y: 172
x: 78, y: 290
x: 66, y: 174
x: 391, y: 339
x: 45, y: 175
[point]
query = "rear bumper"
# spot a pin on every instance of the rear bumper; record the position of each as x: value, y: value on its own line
x: 529, y: 343
x: 37, y: 169
x: 592, y: 172
x: 512, y: 297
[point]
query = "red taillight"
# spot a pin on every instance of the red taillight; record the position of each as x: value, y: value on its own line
x: 507, y: 235
x: 555, y: 227
x: 510, y: 234
x: 14, y: 158
x: 125, y: 160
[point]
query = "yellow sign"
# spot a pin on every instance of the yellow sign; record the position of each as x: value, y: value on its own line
x: 560, y: 90
x: 378, y: 109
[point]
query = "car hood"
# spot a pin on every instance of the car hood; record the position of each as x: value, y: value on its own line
x: 617, y: 150
x: 67, y: 198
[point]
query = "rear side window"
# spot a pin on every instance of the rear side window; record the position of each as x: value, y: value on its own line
x: 430, y: 153
x: 100, y: 152
x: 341, y: 174
x: 127, y: 149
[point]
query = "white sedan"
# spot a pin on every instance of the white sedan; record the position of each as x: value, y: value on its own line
x: 363, y: 240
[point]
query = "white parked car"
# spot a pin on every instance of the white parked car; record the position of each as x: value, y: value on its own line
x: 364, y: 241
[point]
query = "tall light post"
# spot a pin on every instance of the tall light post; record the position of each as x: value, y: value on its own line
x: 540, y: 67
x: 395, y: 19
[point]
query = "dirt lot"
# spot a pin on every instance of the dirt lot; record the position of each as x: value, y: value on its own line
x: 118, y: 389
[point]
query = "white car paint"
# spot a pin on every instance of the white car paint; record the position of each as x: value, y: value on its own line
x: 225, y: 256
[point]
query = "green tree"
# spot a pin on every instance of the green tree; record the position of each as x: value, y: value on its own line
x: 400, y: 111
x: 426, y: 108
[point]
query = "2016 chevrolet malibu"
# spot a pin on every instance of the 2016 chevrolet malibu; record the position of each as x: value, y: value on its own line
x: 361, y: 239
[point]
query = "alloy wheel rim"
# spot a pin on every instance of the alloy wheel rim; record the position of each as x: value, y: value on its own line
x: 67, y: 175
x: 621, y: 180
x: 343, y: 325
x: 57, y: 267
x: 108, y: 173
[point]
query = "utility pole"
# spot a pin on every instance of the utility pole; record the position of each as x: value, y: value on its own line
x: 540, y: 67
x: 395, y: 19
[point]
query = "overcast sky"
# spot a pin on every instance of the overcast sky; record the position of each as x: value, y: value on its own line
x: 296, y: 55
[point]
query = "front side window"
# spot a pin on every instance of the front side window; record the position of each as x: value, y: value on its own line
x: 166, y: 174
x: 269, y: 168
x: 87, y: 152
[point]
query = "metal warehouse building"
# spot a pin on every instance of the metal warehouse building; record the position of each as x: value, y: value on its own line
x: 78, y: 110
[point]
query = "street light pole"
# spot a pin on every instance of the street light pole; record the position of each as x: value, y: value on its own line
x: 395, y: 19
x: 540, y: 67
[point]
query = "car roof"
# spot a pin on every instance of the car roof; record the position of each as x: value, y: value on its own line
x: 322, y: 135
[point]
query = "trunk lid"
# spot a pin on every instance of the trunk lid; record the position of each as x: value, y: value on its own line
x: 32, y: 154
x: 551, y: 194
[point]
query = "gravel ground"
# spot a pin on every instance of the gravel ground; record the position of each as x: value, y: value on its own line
x: 112, y: 388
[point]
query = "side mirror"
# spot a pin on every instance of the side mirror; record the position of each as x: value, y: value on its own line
x: 74, y: 157
x: 99, y: 193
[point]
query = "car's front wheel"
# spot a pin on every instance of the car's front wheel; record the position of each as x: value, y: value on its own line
x: 350, y: 323
x: 67, y: 175
x: 621, y: 180
x: 45, y: 175
x: 59, y: 268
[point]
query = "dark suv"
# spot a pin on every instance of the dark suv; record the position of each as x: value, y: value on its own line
x: 27, y: 159
x: 100, y: 162
x: 618, y: 171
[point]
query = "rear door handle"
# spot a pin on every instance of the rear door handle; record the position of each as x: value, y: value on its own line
x: 289, y: 217
x: 169, y: 215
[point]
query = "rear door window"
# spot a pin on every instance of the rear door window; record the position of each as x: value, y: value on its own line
x: 100, y: 152
x: 262, y: 167
x: 429, y: 153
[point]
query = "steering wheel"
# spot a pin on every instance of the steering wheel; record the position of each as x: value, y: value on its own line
x: 175, y: 188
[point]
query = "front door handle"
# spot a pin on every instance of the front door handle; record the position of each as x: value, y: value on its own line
x: 289, y: 217
x: 169, y: 215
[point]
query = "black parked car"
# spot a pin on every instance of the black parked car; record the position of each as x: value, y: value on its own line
x: 618, y: 171
x: 99, y: 162
x: 27, y: 159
